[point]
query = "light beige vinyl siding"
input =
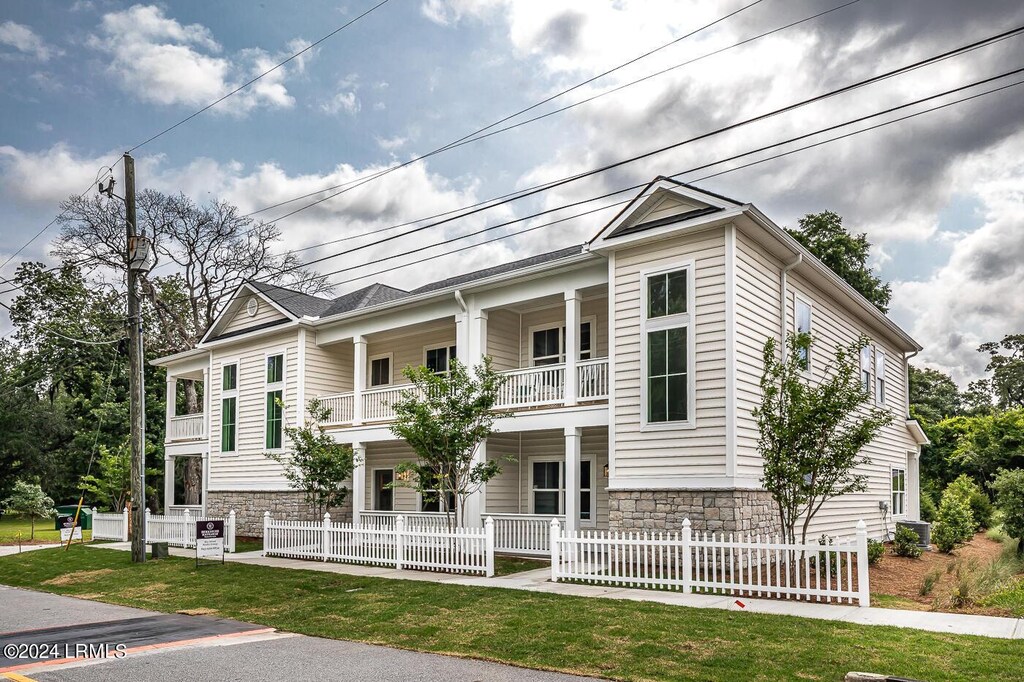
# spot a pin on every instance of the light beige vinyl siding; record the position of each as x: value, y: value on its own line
x: 249, y: 466
x: 503, y: 339
x: 546, y: 318
x: 242, y: 320
x: 503, y: 490
x: 832, y: 325
x: 408, y: 350
x: 675, y: 453
x: 550, y: 446
x: 329, y: 369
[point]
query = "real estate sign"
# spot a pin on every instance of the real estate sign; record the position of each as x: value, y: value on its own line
x: 210, y: 540
x: 68, y: 528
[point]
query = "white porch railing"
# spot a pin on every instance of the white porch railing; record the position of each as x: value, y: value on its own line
x: 178, y: 509
x: 715, y: 563
x: 523, y: 533
x: 110, y: 526
x: 340, y: 407
x: 385, y: 520
x: 532, y: 387
x: 462, y: 550
x: 523, y: 388
x: 186, y: 427
x: 592, y: 379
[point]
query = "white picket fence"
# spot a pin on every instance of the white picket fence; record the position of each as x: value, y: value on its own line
x: 463, y: 550
x: 752, y: 566
x: 526, y: 534
x: 177, y: 530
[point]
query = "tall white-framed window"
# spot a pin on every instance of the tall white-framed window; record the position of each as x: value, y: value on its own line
x: 547, y: 488
x: 380, y: 370
x: 547, y: 344
x: 803, y: 313
x: 667, y: 354
x: 229, y: 408
x: 879, y: 377
x: 899, y: 491
x: 274, y: 412
x: 865, y: 369
x: 437, y: 359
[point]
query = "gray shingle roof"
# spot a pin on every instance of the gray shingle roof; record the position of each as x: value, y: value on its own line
x: 374, y: 294
x: 501, y: 269
x: 295, y: 302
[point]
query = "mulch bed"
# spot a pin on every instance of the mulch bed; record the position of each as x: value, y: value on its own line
x: 902, y: 577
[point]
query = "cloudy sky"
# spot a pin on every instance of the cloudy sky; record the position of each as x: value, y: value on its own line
x: 941, y: 195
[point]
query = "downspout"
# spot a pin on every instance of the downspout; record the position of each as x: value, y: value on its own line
x: 782, y: 303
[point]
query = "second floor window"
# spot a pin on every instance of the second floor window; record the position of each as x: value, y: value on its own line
x: 549, y: 344
x: 879, y: 377
x: 274, y: 396
x: 668, y: 335
x: 865, y: 369
x: 380, y: 371
x: 437, y: 360
x: 229, y: 408
x: 803, y: 316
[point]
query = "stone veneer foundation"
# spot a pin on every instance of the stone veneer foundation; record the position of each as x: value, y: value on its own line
x: 729, y: 510
x: 250, y: 505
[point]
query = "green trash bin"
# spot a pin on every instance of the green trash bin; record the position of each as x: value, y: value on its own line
x: 84, y: 518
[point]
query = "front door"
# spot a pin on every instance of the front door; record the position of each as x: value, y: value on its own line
x: 383, y: 493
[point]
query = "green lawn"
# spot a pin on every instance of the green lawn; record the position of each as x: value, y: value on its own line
x: 610, y: 638
x: 12, y: 526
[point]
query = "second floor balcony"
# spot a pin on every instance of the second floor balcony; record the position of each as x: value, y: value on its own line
x: 528, y: 388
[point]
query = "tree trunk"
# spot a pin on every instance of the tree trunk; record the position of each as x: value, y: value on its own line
x: 193, y: 475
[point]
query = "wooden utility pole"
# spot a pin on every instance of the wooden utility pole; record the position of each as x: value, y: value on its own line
x: 137, y: 394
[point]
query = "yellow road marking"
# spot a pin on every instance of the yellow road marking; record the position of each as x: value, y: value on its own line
x: 18, y: 678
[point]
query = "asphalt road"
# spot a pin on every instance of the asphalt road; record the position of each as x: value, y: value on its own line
x: 175, y: 647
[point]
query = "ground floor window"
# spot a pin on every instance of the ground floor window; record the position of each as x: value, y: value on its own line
x: 547, y: 488
x: 434, y: 499
x: 383, y: 493
x: 899, y: 491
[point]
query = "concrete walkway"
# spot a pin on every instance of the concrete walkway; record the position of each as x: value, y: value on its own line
x: 539, y: 581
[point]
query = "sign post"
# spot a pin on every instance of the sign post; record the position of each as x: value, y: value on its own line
x: 209, y: 540
x: 70, y: 527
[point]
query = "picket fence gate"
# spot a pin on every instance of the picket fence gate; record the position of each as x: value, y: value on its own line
x: 462, y: 550
x: 177, y: 530
x: 751, y: 566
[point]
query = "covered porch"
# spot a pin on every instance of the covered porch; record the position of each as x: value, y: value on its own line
x: 549, y: 474
x: 186, y: 444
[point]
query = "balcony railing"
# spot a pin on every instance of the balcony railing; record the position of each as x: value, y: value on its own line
x: 186, y: 427
x: 525, y: 388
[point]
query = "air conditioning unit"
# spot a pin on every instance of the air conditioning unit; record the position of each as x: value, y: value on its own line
x: 923, y: 530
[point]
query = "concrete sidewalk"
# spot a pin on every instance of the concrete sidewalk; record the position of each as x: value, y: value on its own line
x: 539, y: 581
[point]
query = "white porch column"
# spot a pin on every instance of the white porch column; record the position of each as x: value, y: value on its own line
x: 477, y: 502
x: 171, y: 400
x: 572, y: 477
x: 358, y: 378
x: 168, y: 483
x: 477, y: 336
x: 914, y: 484
x: 572, y: 344
x: 358, y: 481
x: 204, y: 478
x: 463, y: 351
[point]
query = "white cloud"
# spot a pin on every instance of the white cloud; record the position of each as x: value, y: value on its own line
x: 44, y: 126
x: 25, y: 41
x: 392, y: 144
x: 346, y: 102
x: 160, y: 60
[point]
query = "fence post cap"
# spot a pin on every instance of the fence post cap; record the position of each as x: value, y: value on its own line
x: 266, y: 514
x: 147, y: 511
x: 686, y: 522
x: 555, y: 523
x: 489, y: 521
x: 327, y: 516
x: 862, y: 527
x: 232, y: 512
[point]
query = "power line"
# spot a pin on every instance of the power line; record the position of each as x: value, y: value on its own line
x: 48, y: 330
x: 253, y: 80
x: 358, y: 182
x: 697, y: 168
x: 536, y: 189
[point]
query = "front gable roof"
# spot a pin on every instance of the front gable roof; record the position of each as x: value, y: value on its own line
x: 662, y: 202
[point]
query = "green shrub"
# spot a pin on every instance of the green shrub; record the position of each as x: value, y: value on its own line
x: 1009, y: 487
x: 981, y: 507
x: 965, y: 584
x: 905, y: 543
x: 954, y: 524
x: 876, y: 550
x: 928, y: 508
x: 929, y: 582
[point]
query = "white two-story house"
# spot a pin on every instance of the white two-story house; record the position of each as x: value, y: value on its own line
x: 632, y: 362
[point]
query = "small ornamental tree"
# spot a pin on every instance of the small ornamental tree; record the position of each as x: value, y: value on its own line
x: 1009, y: 487
x: 812, y: 433
x: 444, y: 418
x: 28, y: 499
x: 316, y: 464
x: 111, y: 485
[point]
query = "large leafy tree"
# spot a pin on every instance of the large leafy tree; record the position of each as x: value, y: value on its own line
x: 202, y: 254
x: 812, y: 433
x: 1006, y: 363
x: 444, y: 418
x: 934, y: 396
x: 991, y: 442
x: 847, y: 254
